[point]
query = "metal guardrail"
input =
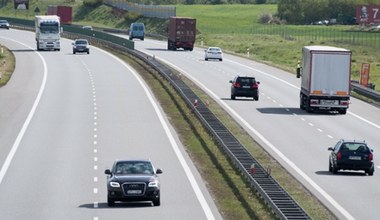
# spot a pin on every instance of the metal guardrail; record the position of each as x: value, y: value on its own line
x: 365, y: 91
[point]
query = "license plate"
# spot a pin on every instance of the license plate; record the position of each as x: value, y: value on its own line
x: 354, y: 157
x: 134, y: 191
x: 246, y: 87
x: 329, y: 102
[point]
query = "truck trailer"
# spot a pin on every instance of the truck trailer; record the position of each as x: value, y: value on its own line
x: 181, y: 33
x: 326, y: 77
x: 48, y: 32
x: 65, y: 13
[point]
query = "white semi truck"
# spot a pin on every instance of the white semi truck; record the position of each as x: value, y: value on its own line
x: 48, y: 32
x: 326, y: 77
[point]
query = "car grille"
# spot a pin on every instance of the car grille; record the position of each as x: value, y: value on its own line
x: 134, y: 189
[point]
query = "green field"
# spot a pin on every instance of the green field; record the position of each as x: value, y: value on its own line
x: 236, y: 29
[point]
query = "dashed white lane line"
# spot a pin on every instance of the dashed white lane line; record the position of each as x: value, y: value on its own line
x: 95, y: 159
x: 378, y: 167
x: 320, y: 130
x: 95, y: 167
x: 311, y: 124
x: 95, y: 190
x: 330, y: 136
x: 95, y: 151
x: 96, y: 218
x: 95, y: 179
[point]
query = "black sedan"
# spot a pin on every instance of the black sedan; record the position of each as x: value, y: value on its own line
x: 351, y: 155
x: 133, y: 180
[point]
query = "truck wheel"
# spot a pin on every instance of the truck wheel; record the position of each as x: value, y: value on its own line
x: 342, y: 111
x: 302, y: 102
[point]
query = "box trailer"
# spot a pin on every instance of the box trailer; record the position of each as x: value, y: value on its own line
x: 181, y: 33
x: 326, y: 78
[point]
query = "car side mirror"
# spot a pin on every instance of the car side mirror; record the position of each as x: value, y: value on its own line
x: 258, y: 82
x: 158, y: 171
x: 230, y: 81
x: 330, y: 149
x: 108, y: 172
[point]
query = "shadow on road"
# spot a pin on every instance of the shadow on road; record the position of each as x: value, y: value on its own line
x: 341, y: 173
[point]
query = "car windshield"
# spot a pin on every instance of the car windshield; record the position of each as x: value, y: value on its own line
x: 246, y: 80
x: 355, y: 147
x: 213, y: 49
x: 3, y: 21
x: 80, y: 42
x: 134, y: 167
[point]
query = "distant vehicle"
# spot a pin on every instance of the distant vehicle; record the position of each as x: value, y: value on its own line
x: 48, y: 32
x: 181, y: 33
x: 133, y: 180
x: 137, y: 30
x: 4, y: 24
x: 81, y: 45
x: 65, y: 13
x: 326, y: 76
x: 88, y: 28
x: 245, y: 86
x: 351, y: 155
x: 213, y: 53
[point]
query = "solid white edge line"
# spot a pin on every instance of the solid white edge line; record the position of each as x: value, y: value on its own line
x: 344, y: 212
x: 185, y: 166
x: 20, y: 135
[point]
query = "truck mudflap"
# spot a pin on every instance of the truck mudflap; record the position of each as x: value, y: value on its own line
x: 322, y: 103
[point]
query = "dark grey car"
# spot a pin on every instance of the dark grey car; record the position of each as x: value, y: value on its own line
x: 133, y: 180
x: 245, y: 86
x: 351, y: 155
x: 81, y: 45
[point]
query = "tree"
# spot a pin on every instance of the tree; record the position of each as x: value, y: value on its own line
x: 290, y: 11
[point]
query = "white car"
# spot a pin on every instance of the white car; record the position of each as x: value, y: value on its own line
x: 213, y: 53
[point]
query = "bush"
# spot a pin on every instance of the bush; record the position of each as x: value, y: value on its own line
x: 92, y: 3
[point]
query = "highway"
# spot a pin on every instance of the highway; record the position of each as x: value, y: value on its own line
x: 65, y: 118
x: 298, y: 140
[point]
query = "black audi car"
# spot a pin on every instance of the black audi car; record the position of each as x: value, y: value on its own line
x: 245, y: 86
x: 133, y: 180
x: 351, y: 155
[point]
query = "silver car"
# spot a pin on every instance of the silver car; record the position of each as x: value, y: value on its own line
x: 214, y: 53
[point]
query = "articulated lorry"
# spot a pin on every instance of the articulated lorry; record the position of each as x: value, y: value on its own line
x: 181, y: 33
x: 48, y: 32
x: 326, y: 78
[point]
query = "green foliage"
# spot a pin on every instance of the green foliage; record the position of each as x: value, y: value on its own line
x: 132, y: 17
x: 308, y: 11
x: 92, y: 3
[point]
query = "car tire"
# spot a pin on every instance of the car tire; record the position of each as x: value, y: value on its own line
x: 156, y: 202
x: 88, y: 52
x: 110, y: 202
x: 256, y: 98
x: 371, y: 171
x: 233, y: 97
x: 206, y: 59
x: 74, y: 52
x: 220, y: 59
x: 342, y: 111
x: 330, y: 167
x: 334, y: 169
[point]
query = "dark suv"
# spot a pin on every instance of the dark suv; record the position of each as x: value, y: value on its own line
x: 81, y: 45
x: 133, y: 180
x: 351, y: 155
x: 245, y: 86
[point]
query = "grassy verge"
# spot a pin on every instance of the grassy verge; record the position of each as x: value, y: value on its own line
x: 7, y: 65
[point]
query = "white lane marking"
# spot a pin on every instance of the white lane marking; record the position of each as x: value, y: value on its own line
x: 331, y: 200
x: 95, y: 151
x: 95, y: 190
x: 96, y: 204
x: 303, y: 119
x: 95, y: 159
x: 95, y: 179
x: 378, y: 167
x: 320, y: 130
x: 96, y: 217
x: 175, y: 147
x: 330, y: 136
x: 95, y: 135
x: 95, y: 129
x: 20, y: 135
x: 95, y: 142
x: 311, y: 124
x: 95, y: 167
x: 365, y: 120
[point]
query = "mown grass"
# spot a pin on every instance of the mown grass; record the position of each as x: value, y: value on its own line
x: 7, y: 65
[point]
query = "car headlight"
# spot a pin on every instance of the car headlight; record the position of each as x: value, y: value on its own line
x: 153, y: 184
x: 114, y: 184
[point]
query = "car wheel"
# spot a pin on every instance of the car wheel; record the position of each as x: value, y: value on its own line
x: 110, y: 202
x: 220, y: 59
x: 233, y: 97
x: 74, y: 52
x: 88, y: 52
x: 342, y: 111
x: 256, y: 98
x: 156, y: 202
x: 330, y: 167
x: 206, y: 59
x: 334, y: 169
x: 371, y: 171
